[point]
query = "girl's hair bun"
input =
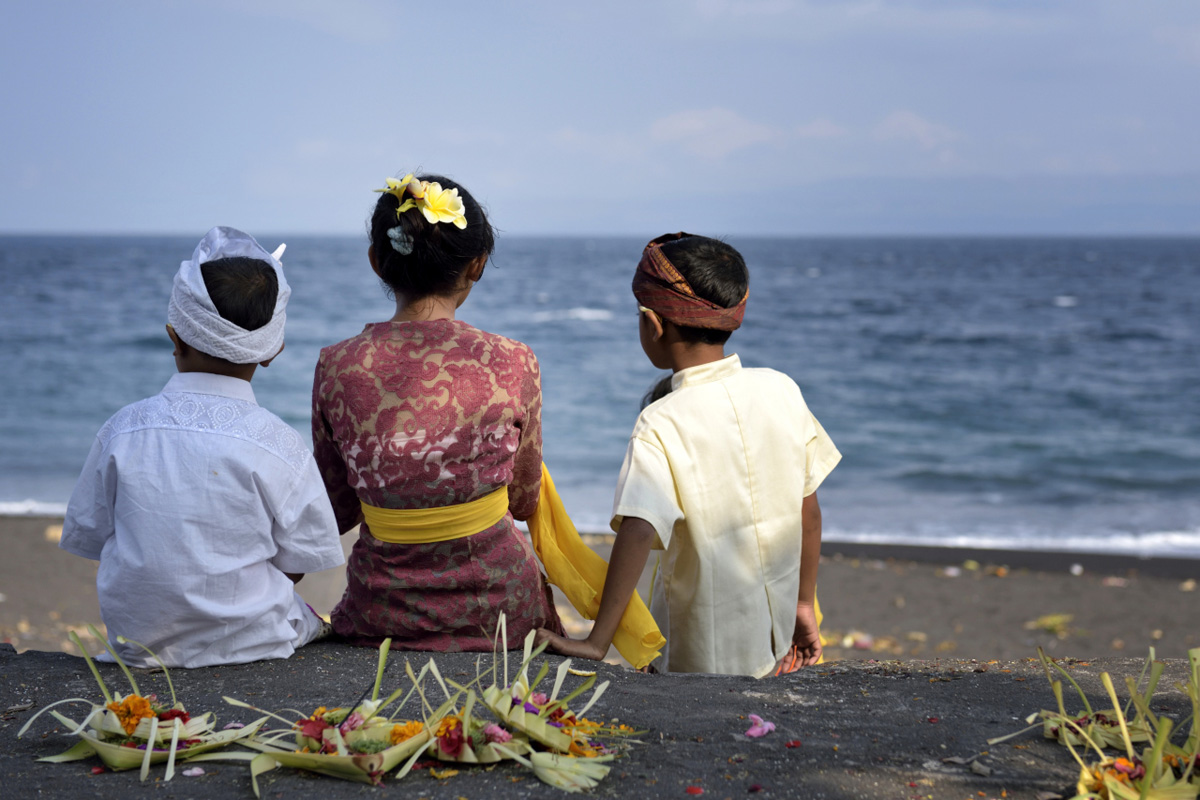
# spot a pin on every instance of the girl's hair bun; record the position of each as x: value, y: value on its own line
x: 419, y: 258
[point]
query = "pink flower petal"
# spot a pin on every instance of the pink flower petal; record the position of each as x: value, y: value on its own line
x: 194, y: 772
x: 760, y: 726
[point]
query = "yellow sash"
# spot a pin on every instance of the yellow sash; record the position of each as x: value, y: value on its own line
x: 570, y: 564
x: 576, y: 569
x: 425, y: 525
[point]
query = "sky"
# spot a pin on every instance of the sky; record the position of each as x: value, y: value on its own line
x: 725, y: 117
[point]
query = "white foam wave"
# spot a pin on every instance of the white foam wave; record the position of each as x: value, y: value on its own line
x: 581, y: 314
x: 32, y: 508
x: 1155, y: 544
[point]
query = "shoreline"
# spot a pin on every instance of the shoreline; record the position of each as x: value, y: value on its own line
x: 1045, y: 560
x: 880, y: 601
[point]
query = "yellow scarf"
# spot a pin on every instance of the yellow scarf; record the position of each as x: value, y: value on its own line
x: 576, y: 569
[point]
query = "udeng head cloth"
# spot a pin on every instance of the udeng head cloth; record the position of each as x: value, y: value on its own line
x: 659, y: 286
x: 196, y: 320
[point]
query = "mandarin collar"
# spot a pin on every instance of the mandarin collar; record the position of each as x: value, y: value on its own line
x: 209, y: 383
x: 707, y: 373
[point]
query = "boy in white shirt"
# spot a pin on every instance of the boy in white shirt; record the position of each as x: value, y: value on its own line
x: 721, y: 473
x: 203, y: 508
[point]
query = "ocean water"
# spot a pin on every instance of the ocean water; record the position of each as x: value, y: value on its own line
x: 1011, y: 393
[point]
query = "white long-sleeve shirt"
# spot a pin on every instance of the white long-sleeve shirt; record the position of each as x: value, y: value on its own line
x: 196, y: 501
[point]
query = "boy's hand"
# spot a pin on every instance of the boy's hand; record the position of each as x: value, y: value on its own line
x: 574, y: 648
x: 806, y: 642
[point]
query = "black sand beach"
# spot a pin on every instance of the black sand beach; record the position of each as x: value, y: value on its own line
x: 928, y: 659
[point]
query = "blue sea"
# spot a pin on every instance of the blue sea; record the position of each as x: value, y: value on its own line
x: 1009, y: 393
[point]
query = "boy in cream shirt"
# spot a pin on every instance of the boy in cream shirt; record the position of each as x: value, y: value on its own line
x: 721, y: 474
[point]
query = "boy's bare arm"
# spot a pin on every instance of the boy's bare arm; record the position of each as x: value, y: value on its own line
x: 629, y: 554
x: 806, y: 640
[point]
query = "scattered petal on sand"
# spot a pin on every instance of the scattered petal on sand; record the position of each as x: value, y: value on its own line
x: 760, y: 726
x: 194, y: 772
x: 793, y: 743
x: 695, y: 790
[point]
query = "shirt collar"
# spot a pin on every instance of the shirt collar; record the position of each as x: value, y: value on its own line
x: 707, y: 373
x: 208, y: 383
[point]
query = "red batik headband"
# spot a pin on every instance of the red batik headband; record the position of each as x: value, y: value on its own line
x: 659, y: 286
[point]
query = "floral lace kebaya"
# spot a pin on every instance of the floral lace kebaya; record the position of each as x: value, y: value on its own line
x: 425, y: 415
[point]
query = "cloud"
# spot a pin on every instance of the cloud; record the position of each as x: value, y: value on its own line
x: 349, y: 20
x: 1183, y: 39
x: 315, y: 149
x: 820, y: 129
x: 744, y: 8
x: 817, y: 19
x: 908, y: 126
x: 610, y: 146
x: 711, y: 133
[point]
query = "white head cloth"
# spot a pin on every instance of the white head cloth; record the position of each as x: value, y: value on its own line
x: 194, y: 317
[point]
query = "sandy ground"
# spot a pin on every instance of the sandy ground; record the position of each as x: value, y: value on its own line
x: 879, y: 603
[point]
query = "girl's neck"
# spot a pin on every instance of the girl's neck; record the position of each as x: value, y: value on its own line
x: 426, y: 309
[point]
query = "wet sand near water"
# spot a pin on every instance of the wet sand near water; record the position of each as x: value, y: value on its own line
x: 880, y: 602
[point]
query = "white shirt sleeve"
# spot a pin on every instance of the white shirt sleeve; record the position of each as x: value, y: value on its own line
x: 89, y: 519
x: 646, y: 489
x: 304, y: 528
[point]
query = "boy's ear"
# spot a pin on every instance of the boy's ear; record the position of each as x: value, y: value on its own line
x: 655, y: 323
x: 181, y: 347
x: 267, y: 363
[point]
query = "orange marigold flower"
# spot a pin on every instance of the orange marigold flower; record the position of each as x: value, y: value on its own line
x: 402, y: 733
x: 130, y: 711
x: 447, y: 725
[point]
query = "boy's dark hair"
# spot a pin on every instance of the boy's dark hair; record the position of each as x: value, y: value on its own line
x: 716, y: 272
x: 440, y: 253
x: 244, y: 290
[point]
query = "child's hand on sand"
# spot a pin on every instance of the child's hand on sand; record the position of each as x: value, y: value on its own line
x: 574, y: 648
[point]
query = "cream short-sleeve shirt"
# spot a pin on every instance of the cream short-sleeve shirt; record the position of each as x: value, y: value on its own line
x: 720, y: 468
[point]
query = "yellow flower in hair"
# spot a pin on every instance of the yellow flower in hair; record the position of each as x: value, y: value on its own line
x: 443, y: 205
x: 398, y: 188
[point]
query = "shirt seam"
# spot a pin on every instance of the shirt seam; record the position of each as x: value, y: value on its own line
x: 754, y: 512
x: 295, y: 468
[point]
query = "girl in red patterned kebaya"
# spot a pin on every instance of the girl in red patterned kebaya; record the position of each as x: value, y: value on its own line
x: 428, y: 433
